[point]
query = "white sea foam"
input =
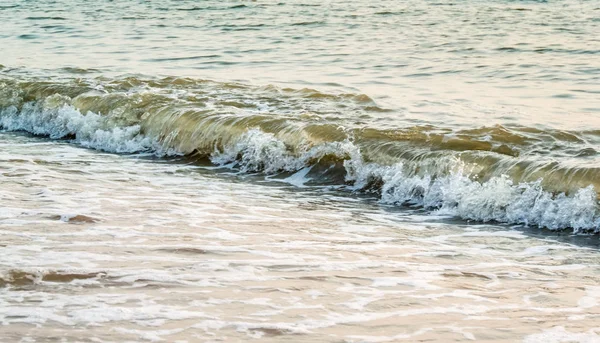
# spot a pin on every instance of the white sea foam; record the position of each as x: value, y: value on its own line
x: 190, y: 251
x: 452, y: 193
x: 497, y: 199
x: 559, y: 334
x: 65, y: 121
x: 258, y: 151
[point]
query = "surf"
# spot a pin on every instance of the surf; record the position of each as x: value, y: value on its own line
x: 508, y: 174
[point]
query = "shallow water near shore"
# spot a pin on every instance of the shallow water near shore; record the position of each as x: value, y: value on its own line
x: 308, y: 171
x: 125, y: 248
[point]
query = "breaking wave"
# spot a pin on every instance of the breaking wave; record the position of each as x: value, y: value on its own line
x: 515, y: 175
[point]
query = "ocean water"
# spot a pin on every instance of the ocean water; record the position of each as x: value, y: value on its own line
x: 307, y: 171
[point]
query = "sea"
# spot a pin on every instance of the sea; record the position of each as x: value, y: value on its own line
x: 300, y: 171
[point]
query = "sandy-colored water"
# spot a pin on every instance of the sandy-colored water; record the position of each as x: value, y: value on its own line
x: 300, y: 171
x: 106, y: 248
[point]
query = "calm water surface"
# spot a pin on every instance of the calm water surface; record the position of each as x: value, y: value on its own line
x: 313, y: 171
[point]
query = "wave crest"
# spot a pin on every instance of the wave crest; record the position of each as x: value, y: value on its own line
x: 89, y: 130
x: 477, y: 174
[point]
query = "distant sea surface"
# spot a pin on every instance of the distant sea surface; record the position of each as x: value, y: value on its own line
x: 307, y: 171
